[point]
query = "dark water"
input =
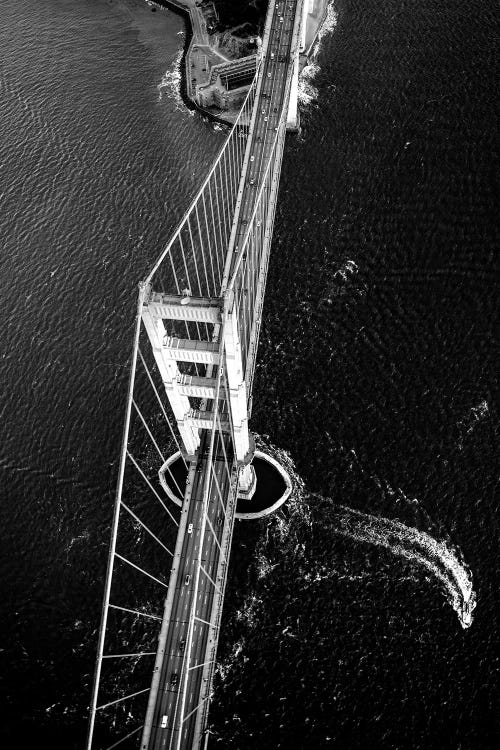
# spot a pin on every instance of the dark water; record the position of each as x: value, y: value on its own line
x: 95, y: 170
x: 377, y: 367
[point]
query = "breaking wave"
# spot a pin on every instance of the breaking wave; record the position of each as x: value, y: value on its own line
x: 307, y: 91
x: 418, y: 546
x: 327, y: 26
x: 170, y: 85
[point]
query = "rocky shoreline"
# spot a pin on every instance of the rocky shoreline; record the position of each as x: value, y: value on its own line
x: 214, y: 49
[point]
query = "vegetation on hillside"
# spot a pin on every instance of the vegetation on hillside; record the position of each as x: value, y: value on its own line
x: 244, y: 15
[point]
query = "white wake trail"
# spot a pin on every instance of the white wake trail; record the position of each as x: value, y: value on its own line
x: 436, y: 556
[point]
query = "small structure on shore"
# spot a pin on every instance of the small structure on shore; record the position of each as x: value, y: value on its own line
x: 219, y: 68
x: 227, y: 84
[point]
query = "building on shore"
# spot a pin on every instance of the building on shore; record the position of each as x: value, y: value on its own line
x: 219, y: 69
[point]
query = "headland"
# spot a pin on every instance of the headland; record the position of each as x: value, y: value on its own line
x: 220, y: 59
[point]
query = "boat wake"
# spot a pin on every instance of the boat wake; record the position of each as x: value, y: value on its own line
x: 441, y: 559
x: 438, y: 556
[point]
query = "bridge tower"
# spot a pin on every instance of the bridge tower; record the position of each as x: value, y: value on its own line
x: 185, y: 391
x: 197, y: 329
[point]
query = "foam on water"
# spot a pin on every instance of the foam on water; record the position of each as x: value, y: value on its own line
x: 440, y: 558
x: 327, y: 26
x: 471, y: 420
x: 170, y: 84
x: 307, y: 91
x: 347, y: 269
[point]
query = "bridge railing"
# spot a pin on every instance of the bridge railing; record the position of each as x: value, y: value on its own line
x: 249, y: 270
x: 143, y: 535
x: 145, y: 520
x: 144, y: 531
x: 192, y: 262
x: 219, y: 504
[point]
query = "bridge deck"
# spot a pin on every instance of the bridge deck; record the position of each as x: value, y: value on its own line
x: 276, y: 68
x: 169, y: 730
x: 181, y: 691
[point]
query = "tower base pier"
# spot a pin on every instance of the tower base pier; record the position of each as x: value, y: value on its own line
x: 247, y: 482
x: 271, y: 485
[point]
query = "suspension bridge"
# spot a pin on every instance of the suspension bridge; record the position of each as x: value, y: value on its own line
x: 193, y: 362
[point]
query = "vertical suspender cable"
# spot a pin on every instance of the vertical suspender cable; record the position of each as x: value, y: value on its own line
x: 200, y: 233
x: 220, y: 248
x: 200, y: 289
x: 116, y: 517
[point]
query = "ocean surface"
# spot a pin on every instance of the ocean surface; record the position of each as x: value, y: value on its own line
x: 377, y: 379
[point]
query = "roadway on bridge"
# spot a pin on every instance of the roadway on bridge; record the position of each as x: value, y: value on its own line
x: 169, y: 712
x: 174, y: 724
x: 269, y: 106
